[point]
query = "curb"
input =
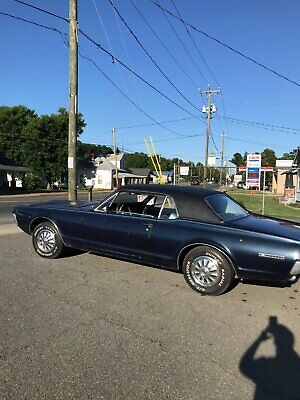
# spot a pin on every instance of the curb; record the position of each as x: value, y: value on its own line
x: 15, y: 196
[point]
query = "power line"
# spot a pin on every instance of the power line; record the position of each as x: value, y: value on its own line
x: 227, y: 46
x: 185, y: 48
x: 33, y: 23
x: 195, y: 44
x: 126, y: 96
x: 114, y: 58
x: 163, y: 45
x: 150, y: 57
x: 42, y: 10
x: 98, y: 45
x: 283, y: 129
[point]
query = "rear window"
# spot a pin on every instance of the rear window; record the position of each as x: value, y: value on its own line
x: 226, y: 208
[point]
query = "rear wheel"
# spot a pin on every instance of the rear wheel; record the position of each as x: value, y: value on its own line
x: 47, y: 241
x: 207, y: 271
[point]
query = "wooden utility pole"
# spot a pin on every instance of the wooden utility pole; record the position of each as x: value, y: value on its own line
x: 73, y: 101
x: 222, y: 159
x: 208, y: 110
x: 115, y: 156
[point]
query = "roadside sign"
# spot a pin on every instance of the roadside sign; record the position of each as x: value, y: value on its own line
x: 184, y: 171
x: 211, y: 160
x: 253, y: 170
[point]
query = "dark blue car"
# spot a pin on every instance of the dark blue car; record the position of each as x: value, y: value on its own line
x: 201, y: 232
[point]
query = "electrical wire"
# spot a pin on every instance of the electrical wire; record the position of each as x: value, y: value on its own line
x: 33, y: 23
x: 189, y: 25
x: 252, y: 60
x: 185, y: 48
x: 195, y: 45
x: 109, y: 44
x: 42, y: 10
x: 150, y: 56
x: 261, y: 125
x: 98, y: 45
x: 163, y: 45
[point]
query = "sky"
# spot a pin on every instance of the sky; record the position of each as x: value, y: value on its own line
x: 34, y: 72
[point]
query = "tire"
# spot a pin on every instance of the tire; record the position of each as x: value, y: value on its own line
x: 207, y: 271
x: 47, y: 241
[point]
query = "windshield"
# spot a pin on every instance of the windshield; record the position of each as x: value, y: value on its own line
x: 226, y: 208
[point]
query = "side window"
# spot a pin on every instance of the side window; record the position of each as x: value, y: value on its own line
x: 169, y: 210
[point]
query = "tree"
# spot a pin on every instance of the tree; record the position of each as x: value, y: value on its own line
x: 88, y: 151
x: 289, y: 156
x: 46, y: 147
x: 268, y: 158
x: 238, y: 159
x: 137, y: 160
x: 13, y: 135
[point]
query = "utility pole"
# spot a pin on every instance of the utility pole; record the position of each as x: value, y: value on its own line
x: 115, y: 156
x: 222, y: 159
x: 209, y: 109
x: 73, y: 102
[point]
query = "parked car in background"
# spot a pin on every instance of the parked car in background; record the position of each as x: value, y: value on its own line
x: 202, y: 233
x: 240, y: 185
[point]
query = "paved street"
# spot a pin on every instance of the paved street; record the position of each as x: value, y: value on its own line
x: 89, y: 327
x: 7, y: 203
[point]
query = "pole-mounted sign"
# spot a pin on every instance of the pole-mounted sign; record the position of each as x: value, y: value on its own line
x: 253, y: 171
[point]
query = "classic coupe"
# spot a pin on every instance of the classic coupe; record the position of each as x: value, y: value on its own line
x: 203, y: 233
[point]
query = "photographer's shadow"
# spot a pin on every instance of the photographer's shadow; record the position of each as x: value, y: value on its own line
x: 278, y: 377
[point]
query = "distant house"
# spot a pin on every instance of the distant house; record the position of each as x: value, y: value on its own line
x: 10, y: 172
x: 99, y: 172
x: 286, y: 178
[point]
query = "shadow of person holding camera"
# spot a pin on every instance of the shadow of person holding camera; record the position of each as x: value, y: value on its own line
x: 278, y: 377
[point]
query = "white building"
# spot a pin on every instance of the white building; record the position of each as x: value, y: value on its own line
x: 99, y: 173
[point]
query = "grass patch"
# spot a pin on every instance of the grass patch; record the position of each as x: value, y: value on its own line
x: 253, y: 202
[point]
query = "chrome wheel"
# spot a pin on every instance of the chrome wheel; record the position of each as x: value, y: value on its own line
x: 205, y: 271
x: 45, y: 240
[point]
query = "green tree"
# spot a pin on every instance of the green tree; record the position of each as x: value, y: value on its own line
x: 46, y: 147
x: 138, y: 160
x: 13, y: 135
x: 268, y: 158
x: 238, y: 159
x: 289, y: 156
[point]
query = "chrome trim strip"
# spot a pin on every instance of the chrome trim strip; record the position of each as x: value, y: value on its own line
x: 267, y: 255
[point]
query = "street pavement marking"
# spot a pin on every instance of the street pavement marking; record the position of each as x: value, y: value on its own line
x: 9, y: 229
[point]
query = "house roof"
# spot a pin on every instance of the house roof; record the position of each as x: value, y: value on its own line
x: 7, y: 164
x: 141, y: 172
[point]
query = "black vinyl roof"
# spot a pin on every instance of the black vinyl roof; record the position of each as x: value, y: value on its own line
x: 190, y: 200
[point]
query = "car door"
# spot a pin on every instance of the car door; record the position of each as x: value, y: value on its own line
x: 123, y: 227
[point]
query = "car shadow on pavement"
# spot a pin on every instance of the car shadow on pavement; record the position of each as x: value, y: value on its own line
x: 276, y: 378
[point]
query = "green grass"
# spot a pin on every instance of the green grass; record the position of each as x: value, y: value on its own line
x: 253, y: 202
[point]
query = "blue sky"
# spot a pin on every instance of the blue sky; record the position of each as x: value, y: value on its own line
x: 34, y: 71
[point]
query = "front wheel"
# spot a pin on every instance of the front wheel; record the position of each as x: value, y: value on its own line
x: 47, y: 241
x: 207, y: 271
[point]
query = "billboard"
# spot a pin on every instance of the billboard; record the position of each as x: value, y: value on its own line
x: 184, y: 171
x: 253, y: 170
x: 211, y: 160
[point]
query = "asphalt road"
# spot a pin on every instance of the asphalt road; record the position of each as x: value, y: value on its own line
x: 89, y: 327
x: 7, y: 203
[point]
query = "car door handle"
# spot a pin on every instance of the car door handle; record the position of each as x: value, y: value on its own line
x: 148, y: 227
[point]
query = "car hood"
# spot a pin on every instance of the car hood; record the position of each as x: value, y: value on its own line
x: 268, y: 225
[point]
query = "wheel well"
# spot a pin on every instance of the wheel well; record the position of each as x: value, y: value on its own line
x: 34, y: 223
x: 188, y: 248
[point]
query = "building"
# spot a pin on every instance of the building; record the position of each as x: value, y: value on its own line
x: 286, y: 178
x: 10, y: 172
x: 100, y: 171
